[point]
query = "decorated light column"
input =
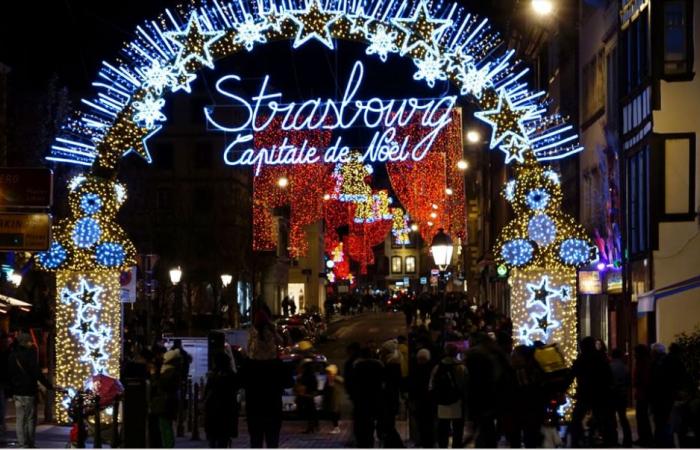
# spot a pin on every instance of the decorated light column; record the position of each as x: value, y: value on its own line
x: 542, y: 249
x: 88, y: 252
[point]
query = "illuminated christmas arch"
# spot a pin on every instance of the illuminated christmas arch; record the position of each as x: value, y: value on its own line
x: 89, y: 250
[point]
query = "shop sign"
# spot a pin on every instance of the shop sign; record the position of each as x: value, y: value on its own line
x: 589, y: 282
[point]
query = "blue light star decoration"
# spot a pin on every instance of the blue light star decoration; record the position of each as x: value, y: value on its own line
x: 540, y: 306
x: 514, y: 149
x: 313, y: 22
x: 92, y: 336
x: 421, y: 30
x: 506, y: 120
x: 194, y: 43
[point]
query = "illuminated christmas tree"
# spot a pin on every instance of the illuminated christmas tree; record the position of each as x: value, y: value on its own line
x: 542, y: 249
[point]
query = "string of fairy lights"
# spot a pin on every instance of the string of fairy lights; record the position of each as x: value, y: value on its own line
x: 443, y: 40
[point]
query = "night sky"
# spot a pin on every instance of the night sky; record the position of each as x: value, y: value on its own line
x: 69, y: 38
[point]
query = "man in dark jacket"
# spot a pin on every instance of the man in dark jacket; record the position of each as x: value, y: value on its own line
x: 366, y: 394
x: 23, y: 374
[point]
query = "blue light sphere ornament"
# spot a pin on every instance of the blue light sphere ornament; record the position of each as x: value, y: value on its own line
x: 110, y: 254
x: 542, y: 230
x: 90, y: 203
x: 86, y: 232
x: 574, y: 252
x: 537, y: 199
x: 517, y: 252
x: 53, y: 257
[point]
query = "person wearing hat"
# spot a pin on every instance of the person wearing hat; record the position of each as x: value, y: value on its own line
x: 24, y: 374
x: 164, y: 394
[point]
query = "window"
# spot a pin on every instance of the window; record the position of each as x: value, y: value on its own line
x: 163, y: 155
x: 612, y: 94
x: 410, y: 264
x: 638, y: 201
x: 677, y: 40
x: 594, y: 86
x: 679, y: 175
x: 203, y: 156
x: 635, y: 49
x: 396, y: 264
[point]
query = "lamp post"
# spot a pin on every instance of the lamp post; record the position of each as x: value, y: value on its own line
x: 175, y: 277
x: 225, y: 282
x: 441, y: 249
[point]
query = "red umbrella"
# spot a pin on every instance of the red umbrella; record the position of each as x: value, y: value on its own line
x: 107, y: 388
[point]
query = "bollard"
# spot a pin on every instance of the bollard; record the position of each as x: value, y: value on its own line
x: 80, y: 420
x: 189, y: 404
x: 97, y: 443
x: 116, y: 438
x: 195, y: 413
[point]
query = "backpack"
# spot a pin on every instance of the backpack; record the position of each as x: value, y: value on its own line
x: 445, y: 385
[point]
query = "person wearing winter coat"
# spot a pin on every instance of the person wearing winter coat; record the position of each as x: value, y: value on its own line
x: 264, y: 381
x: 448, y: 384
x: 221, y: 402
x: 386, y: 425
x: 164, y: 394
x: 366, y: 392
x: 422, y: 404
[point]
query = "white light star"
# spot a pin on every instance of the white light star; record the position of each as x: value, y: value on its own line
x: 505, y: 119
x: 515, y: 149
x: 382, y: 42
x: 421, y: 30
x: 194, y: 44
x: 313, y: 22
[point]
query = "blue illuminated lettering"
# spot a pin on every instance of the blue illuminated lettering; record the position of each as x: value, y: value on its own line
x: 385, y: 116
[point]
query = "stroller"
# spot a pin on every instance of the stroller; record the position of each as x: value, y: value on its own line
x: 98, y: 398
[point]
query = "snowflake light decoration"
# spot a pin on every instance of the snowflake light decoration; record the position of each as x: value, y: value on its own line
x: 382, y: 42
x: 148, y: 111
x: 157, y: 77
x: 430, y: 69
x: 249, y: 32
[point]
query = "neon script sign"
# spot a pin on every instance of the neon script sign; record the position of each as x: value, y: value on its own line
x: 384, y: 116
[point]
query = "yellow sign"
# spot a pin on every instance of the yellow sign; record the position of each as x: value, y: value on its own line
x: 22, y: 231
x: 589, y: 282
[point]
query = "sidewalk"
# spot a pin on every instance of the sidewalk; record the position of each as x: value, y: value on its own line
x: 53, y: 436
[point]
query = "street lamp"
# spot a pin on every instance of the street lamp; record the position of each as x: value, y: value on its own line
x: 16, y: 278
x: 462, y: 164
x: 175, y: 275
x: 441, y: 248
x: 414, y: 227
x: 542, y: 7
x: 473, y: 137
x: 226, y: 279
x: 283, y: 182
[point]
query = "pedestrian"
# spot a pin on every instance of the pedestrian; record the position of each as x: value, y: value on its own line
x: 23, y: 374
x: 483, y: 395
x: 164, y: 396
x: 366, y: 393
x: 403, y: 352
x: 263, y: 380
x: 332, y: 396
x: 386, y: 424
x: 292, y: 307
x: 529, y: 402
x: 620, y: 391
x: 285, y: 306
x: 421, y: 403
x: 221, y: 402
x: 306, y: 389
x: 593, y: 393
x: 448, y: 383
x: 642, y: 384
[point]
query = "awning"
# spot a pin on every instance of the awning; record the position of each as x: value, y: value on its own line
x: 646, y: 302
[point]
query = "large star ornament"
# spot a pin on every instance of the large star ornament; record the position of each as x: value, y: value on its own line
x: 421, y: 30
x: 541, y: 293
x: 194, y: 44
x: 506, y: 120
x: 313, y: 23
x: 139, y: 145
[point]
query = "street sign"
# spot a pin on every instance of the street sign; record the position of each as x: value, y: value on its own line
x: 26, y: 187
x: 25, y: 231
